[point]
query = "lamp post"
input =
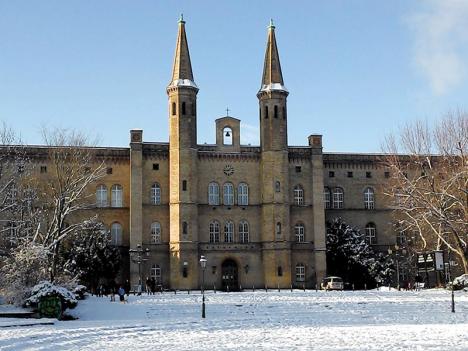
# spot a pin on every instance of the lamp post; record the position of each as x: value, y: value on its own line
x: 203, y: 266
x: 138, y: 255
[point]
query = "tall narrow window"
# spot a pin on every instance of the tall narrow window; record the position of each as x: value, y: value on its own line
x: 401, y: 237
x: 275, y: 111
x: 116, y: 195
x: 101, y: 196
x: 300, y: 272
x: 326, y: 198
x: 244, y: 232
x: 228, y: 194
x: 116, y: 234
x: 338, y: 198
x: 183, y: 109
x: 174, y: 111
x: 213, y: 193
x: 266, y: 111
x: 277, y: 186
x: 156, y: 273
x: 299, y: 231
x: 184, y: 185
x: 228, y: 232
x: 278, y: 230
x: 284, y: 112
x: 12, y: 233
x: 298, y: 195
x: 184, y: 228
x: 155, y: 233
x: 243, y: 194
x: 214, y: 232
x: 369, y: 202
x: 155, y: 194
x: 371, y: 234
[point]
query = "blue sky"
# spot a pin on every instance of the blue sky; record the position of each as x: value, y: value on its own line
x: 356, y: 70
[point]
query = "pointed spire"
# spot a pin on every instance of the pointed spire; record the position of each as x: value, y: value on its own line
x: 272, y: 78
x: 182, y: 68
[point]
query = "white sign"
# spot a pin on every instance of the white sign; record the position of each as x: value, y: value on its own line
x: 439, y: 260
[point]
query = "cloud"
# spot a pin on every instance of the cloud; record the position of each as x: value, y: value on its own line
x: 249, y: 134
x: 441, y: 33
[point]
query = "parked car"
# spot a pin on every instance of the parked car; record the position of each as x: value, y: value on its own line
x: 332, y: 283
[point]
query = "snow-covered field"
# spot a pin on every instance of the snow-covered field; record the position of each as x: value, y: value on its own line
x: 365, y: 320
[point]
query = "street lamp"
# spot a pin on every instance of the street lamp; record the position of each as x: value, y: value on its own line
x: 138, y: 256
x: 203, y: 266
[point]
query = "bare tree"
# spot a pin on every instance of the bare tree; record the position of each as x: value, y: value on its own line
x: 429, y: 182
x: 73, y: 168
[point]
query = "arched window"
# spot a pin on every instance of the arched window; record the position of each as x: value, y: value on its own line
x: 101, y: 196
x: 228, y: 195
x: 174, y: 111
x: 116, y: 195
x: 243, y: 231
x: 371, y: 234
x: 275, y: 111
x: 183, y: 108
x: 214, y: 232
x: 278, y: 230
x: 327, y: 197
x: 243, y: 194
x: 228, y: 232
x: 116, y: 234
x: 155, y: 233
x: 277, y: 186
x: 369, y: 198
x: 300, y: 272
x: 156, y: 273
x: 227, y: 136
x: 156, y: 194
x: 184, y: 228
x: 266, y: 111
x: 298, y: 195
x: 300, y: 232
x: 213, y: 193
x: 338, y: 198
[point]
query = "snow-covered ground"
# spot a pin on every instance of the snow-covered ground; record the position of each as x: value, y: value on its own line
x: 364, y: 320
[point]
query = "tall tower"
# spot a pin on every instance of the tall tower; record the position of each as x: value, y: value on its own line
x: 274, y: 169
x: 183, y: 212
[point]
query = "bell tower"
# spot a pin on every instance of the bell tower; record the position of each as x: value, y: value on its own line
x: 183, y: 212
x: 274, y: 169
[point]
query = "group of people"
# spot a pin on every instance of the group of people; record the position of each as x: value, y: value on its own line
x: 151, y: 287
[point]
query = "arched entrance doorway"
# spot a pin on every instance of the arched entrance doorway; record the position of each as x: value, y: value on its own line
x: 229, y: 276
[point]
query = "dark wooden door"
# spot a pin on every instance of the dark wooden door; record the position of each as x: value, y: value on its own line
x: 229, y: 277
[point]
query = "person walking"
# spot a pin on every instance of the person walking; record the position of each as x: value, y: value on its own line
x: 121, y: 293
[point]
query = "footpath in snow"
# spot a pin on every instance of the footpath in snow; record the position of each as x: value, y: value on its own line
x: 361, y: 320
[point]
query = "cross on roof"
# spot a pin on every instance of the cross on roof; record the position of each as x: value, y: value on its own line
x: 227, y: 111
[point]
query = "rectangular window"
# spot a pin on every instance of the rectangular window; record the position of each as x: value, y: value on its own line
x: 43, y: 169
x: 298, y: 169
x: 184, y: 185
x: 155, y: 166
x: 300, y: 273
x: 350, y: 174
x: 368, y: 174
x: 109, y: 170
x: 331, y: 174
x: 387, y: 174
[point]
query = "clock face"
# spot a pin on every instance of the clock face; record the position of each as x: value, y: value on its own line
x: 228, y: 170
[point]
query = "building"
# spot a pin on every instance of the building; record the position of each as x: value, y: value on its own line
x: 257, y: 213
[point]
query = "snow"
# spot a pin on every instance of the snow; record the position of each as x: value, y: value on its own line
x: 461, y: 280
x: 346, y: 320
x: 48, y: 289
